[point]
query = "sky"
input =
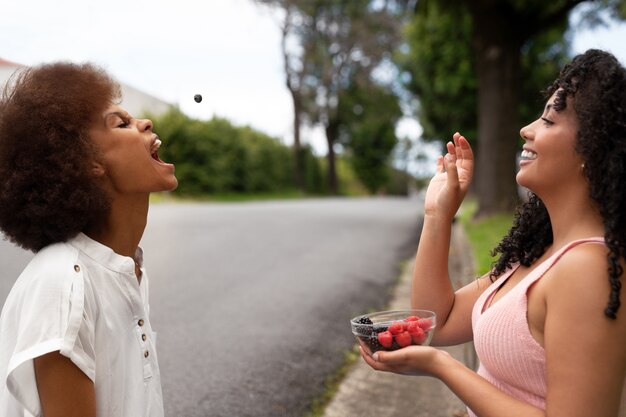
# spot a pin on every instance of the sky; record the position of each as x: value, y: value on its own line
x: 226, y: 50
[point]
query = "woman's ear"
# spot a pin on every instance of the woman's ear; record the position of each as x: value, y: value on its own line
x: 97, y: 169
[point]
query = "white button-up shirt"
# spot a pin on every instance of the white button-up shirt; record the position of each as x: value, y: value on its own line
x: 84, y: 300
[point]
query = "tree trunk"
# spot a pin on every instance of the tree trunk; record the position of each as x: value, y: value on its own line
x: 298, y: 167
x: 498, y: 68
x: 331, y: 135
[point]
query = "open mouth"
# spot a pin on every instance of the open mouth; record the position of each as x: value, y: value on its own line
x: 528, y: 155
x: 154, y: 149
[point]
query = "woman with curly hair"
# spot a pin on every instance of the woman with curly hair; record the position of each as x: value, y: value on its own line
x: 76, y: 172
x: 546, y: 321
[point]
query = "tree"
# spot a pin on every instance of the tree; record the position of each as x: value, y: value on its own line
x: 338, y: 43
x: 370, y: 112
x: 507, y: 40
x: 294, y: 65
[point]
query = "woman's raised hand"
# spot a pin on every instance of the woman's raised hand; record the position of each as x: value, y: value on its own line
x: 451, y: 182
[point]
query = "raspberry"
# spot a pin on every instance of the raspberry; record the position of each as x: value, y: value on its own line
x: 425, y: 324
x: 385, y: 338
x: 417, y: 333
x: 411, y: 318
x: 403, y: 339
x: 396, y: 327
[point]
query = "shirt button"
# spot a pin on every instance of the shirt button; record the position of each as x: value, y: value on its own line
x: 140, y: 322
x: 143, y: 337
x: 146, y: 354
x: 76, y: 268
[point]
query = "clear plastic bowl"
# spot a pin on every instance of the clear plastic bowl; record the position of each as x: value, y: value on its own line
x: 394, y: 329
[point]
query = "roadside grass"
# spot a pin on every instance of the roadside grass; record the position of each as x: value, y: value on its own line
x: 350, y: 356
x: 228, y: 197
x: 484, y: 234
x: 332, y: 383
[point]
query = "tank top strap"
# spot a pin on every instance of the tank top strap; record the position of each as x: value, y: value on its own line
x: 549, y: 263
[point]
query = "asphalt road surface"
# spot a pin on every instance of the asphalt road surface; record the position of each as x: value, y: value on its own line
x: 252, y: 301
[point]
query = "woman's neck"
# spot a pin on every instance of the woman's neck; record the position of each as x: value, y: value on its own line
x: 575, y: 218
x: 125, y: 224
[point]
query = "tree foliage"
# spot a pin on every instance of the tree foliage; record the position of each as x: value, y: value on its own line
x: 335, y: 45
x: 478, y: 66
x: 217, y: 157
x: 370, y: 113
x: 442, y: 69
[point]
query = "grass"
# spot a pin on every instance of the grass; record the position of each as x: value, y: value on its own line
x: 227, y: 197
x: 484, y: 234
x: 332, y: 383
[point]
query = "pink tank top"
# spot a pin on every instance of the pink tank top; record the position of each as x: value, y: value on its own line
x: 510, y: 357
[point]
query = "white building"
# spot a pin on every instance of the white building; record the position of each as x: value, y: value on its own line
x: 134, y: 101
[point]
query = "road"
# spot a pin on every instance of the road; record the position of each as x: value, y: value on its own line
x: 251, y: 301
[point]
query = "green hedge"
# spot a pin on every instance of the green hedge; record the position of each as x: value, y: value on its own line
x: 216, y: 157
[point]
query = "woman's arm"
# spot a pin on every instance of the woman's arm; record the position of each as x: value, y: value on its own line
x: 476, y: 392
x: 432, y: 289
x: 64, y: 390
x: 585, y: 350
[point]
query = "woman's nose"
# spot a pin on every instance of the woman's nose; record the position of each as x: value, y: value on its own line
x: 145, y: 124
x: 525, y: 132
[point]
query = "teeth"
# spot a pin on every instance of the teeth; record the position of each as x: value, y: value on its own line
x: 528, y: 155
x: 156, y: 145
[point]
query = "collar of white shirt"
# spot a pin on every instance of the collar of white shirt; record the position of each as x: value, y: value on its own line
x: 105, y: 256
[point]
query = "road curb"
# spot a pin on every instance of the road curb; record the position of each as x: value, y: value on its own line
x: 368, y: 393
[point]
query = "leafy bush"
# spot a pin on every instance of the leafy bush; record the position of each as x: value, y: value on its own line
x: 216, y: 157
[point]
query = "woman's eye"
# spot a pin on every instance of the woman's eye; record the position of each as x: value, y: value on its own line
x: 547, y: 122
x: 123, y: 125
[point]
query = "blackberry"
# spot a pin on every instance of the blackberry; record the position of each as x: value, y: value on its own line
x: 364, y: 330
x: 380, y: 327
x: 374, y: 344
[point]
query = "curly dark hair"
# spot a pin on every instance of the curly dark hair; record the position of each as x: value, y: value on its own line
x: 47, y: 191
x: 596, y: 84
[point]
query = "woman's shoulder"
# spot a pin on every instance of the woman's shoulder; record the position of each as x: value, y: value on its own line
x: 580, y: 278
x: 54, y: 267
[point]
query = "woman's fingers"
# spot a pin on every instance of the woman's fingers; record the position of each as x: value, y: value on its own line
x: 451, y: 170
x: 379, y: 366
x: 440, y: 167
x: 464, y: 153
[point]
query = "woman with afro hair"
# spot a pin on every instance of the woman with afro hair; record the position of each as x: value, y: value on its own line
x: 546, y: 320
x: 76, y: 172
